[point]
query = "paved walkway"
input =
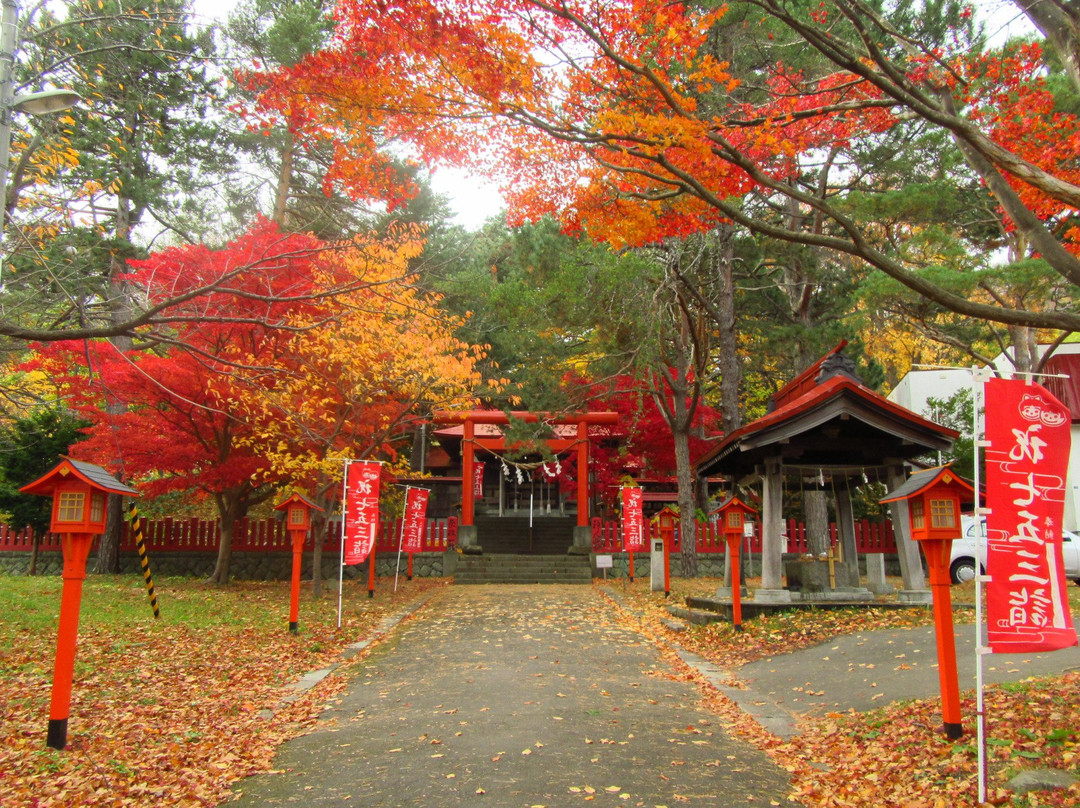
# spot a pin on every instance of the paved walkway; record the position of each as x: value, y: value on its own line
x: 870, y: 669
x: 517, y: 696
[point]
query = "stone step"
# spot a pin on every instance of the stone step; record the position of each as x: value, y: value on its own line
x: 510, y: 534
x: 505, y: 568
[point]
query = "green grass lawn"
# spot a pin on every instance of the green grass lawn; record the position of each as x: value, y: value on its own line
x: 173, y: 710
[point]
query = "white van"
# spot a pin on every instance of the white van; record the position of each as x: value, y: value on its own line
x: 962, y: 565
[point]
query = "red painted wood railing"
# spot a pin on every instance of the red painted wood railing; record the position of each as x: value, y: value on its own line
x: 254, y: 535
x: 249, y: 535
x: 870, y: 537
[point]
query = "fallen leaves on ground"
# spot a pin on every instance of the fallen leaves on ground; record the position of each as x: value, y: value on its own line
x: 896, y: 755
x: 165, y: 712
x: 761, y: 637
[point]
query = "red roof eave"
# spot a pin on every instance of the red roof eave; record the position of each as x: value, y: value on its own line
x: 834, y: 386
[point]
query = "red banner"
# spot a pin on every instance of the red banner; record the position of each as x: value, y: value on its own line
x: 414, y: 523
x: 633, y: 519
x: 478, y: 480
x: 361, y: 509
x: 1028, y: 431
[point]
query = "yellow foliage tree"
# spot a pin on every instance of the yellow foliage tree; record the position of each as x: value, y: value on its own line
x: 360, y: 369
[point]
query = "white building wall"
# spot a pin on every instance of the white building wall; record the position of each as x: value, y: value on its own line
x: 916, y: 388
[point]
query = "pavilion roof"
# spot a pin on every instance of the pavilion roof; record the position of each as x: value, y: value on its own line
x: 836, y: 424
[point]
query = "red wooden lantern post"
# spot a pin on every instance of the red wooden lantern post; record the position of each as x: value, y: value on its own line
x: 79, y: 491
x: 667, y: 519
x: 297, y: 521
x: 734, y: 518
x: 934, y: 498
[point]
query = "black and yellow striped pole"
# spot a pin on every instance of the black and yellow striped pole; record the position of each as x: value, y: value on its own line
x: 140, y: 545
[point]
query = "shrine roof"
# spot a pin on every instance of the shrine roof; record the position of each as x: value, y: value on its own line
x: 836, y: 423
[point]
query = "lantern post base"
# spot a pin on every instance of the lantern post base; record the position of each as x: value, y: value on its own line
x: 57, y: 734
x: 937, y: 552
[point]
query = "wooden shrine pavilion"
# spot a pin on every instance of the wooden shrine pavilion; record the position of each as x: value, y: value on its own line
x: 827, y: 429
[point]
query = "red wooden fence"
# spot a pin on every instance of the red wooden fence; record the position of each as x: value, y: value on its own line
x: 249, y: 535
x: 269, y: 535
x: 870, y: 537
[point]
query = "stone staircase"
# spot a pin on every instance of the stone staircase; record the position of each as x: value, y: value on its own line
x: 534, y: 568
x: 551, y: 535
x: 514, y: 554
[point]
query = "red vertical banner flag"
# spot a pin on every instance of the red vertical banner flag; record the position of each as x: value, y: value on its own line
x: 361, y: 509
x: 633, y: 519
x: 478, y: 480
x: 1028, y: 431
x: 412, y: 529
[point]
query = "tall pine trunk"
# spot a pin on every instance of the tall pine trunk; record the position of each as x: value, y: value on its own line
x: 816, y: 513
x: 727, y: 337
x: 108, y: 557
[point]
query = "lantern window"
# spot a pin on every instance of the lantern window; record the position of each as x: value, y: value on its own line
x: 734, y: 519
x: 70, y: 507
x: 918, y: 520
x: 942, y: 513
x: 97, y: 507
x: 296, y: 516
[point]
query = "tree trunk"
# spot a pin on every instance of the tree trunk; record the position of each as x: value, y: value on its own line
x: 684, y: 474
x: 728, y: 359
x: 816, y: 513
x: 232, y: 505
x: 284, y: 183
x: 687, y: 517
x: 35, y: 544
x: 419, y: 448
x: 108, y: 557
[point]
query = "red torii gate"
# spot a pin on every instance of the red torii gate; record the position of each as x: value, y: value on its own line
x: 470, y: 418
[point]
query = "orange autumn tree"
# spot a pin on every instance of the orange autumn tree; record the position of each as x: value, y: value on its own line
x: 271, y: 382
x: 625, y: 119
x: 360, y: 370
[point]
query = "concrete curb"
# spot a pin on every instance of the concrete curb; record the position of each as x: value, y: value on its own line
x: 767, y: 713
x: 306, y: 682
x: 764, y: 710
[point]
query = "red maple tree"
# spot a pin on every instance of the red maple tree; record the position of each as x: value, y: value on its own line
x: 167, y: 418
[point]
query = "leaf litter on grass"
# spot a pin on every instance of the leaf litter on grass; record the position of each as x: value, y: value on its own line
x: 896, y: 755
x: 174, y: 711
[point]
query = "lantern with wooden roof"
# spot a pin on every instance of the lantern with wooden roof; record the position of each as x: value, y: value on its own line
x: 734, y: 516
x: 934, y: 498
x: 80, y: 492
x: 297, y: 510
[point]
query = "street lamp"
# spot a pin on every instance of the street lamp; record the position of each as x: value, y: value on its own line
x: 44, y: 102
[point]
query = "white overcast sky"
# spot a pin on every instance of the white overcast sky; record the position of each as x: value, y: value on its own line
x: 472, y: 199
